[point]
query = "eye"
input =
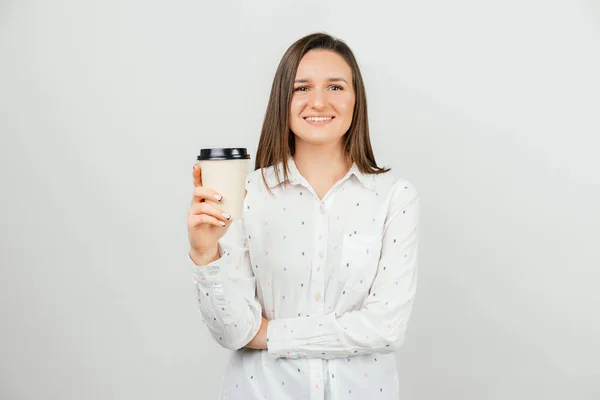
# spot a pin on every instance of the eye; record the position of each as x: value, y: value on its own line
x: 301, y: 89
x: 336, y: 87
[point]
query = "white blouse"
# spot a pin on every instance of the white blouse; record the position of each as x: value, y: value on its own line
x: 336, y: 278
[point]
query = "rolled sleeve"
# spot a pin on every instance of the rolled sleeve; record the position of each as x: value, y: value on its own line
x: 226, y: 292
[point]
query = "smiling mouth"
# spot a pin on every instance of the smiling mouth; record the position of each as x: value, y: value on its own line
x: 317, y: 118
x: 317, y: 121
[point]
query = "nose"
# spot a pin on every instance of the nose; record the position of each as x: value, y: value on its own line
x: 319, y: 99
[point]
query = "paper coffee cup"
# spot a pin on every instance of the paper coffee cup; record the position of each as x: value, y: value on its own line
x: 224, y: 170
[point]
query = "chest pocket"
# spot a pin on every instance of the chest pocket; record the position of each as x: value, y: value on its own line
x: 360, y: 257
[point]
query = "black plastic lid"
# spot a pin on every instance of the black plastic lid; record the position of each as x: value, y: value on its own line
x: 224, y: 154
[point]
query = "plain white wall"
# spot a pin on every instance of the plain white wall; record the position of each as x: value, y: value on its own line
x: 490, y: 108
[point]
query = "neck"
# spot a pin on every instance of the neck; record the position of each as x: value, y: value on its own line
x: 321, y: 165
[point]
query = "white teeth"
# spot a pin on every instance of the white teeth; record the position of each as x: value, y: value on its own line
x: 318, y: 119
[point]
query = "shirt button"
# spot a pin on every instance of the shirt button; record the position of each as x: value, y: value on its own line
x: 322, y: 209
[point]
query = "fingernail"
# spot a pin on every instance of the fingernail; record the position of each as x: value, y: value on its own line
x: 218, y: 197
x: 226, y: 216
x: 222, y: 223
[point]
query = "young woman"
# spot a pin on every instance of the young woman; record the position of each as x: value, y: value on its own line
x: 314, y: 287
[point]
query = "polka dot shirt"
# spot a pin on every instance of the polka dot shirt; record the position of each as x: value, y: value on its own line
x: 336, y: 278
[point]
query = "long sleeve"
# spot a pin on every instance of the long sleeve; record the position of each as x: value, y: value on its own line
x: 227, y: 292
x: 380, y: 325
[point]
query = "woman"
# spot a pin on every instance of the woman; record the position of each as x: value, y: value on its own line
x: 314, y: 288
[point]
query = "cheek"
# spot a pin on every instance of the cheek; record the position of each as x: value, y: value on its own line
x: 296, y: 107
x: 345, y: 105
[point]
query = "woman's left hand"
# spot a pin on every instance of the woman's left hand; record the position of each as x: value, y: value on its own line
x: 259, y: 342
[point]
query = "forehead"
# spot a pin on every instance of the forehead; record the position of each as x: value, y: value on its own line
x: 323, y: 64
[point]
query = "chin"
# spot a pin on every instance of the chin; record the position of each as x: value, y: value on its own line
x: 318, y: 138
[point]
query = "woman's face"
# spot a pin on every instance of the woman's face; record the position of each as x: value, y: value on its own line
x: 323, y: 100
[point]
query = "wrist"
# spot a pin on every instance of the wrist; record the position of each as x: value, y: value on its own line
x: 259, y: 341
x: 204, y: 257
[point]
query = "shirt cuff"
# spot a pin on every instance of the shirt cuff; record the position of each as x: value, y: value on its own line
x: 203, y: 274
x: 280, y: 339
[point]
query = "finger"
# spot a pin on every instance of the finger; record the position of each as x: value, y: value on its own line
x: 195, y: 221
x: 197, y: 175
x: 209, y: 209
x: 203, y: 193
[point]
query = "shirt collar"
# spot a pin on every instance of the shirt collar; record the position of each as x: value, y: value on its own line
x: 295, y: 178
x: 366, y: 179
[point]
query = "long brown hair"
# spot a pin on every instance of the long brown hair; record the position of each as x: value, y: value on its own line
x: 277, y: 141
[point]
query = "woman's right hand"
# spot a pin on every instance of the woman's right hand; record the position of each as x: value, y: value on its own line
x: 206, y: 222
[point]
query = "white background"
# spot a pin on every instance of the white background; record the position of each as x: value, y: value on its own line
x: 490, y: 108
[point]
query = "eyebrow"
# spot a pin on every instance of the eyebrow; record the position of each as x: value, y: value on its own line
x: 329, y: 80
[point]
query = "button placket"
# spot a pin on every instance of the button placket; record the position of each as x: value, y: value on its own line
x: 318, y: 272
x: 316, y: 378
